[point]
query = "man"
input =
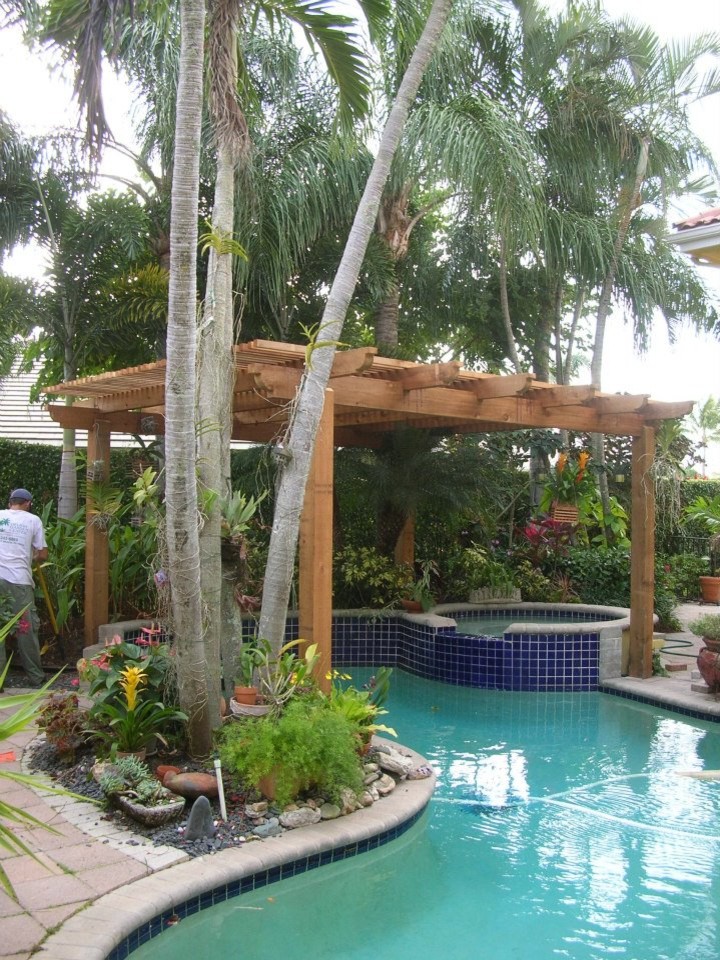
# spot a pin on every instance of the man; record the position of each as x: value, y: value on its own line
x: 22, y: 542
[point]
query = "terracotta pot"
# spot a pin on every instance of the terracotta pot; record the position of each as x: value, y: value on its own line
x: 412, y: 606
x: 138, y: 754
x: 710, y: 589
x: 708, y: 662
x: 246, y: 694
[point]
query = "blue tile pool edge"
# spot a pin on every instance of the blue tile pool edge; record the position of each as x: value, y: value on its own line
x: 118, y: 923
x: 655, y: 701
x: 255, y: 881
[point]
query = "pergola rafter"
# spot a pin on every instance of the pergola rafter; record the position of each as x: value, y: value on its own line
x: 371, y: 395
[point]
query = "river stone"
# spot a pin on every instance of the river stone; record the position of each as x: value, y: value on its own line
x: 329, y: 811
x: 371, y: 778
x: 394, y: 762
x: 384, y: 785
x: 299, y: 818
x: 349, y: 801
x: 256, y: 810
x: 192, y: 785
x: 366, y: 798
x: 200, y: 823
x: 271, y: 828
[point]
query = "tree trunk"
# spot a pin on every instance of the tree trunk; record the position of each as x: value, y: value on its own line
x: 181, y: 491
x: 215, y: 376
x: 625, y: 212
x: 505, y: 307
x: 386, y: 321
x: 305, y: 419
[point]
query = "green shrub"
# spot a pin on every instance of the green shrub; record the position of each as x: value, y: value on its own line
x: 534, y: 586
x: 599, y: 575
x: 309, y: 747
x: 683, y: 572
x: 363, y: 577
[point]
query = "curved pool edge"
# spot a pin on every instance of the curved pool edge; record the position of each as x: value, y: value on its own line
x: 119, y: 922
x: 617, y: 617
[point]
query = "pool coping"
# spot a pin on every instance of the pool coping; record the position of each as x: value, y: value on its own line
x: 97, y: 931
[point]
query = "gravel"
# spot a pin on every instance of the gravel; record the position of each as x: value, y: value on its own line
x: 77, y: 777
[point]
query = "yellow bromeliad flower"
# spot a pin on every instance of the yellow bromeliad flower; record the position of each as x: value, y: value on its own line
x: 562, y: 461
x: 131, y: 679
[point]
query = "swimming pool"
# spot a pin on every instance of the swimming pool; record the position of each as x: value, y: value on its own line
x: 560, y: 829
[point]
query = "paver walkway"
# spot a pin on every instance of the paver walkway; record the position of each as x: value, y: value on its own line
x: 90, y: 856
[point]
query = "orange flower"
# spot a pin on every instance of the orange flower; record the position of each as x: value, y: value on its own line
x: 583, y: 460
x: 562, y: 461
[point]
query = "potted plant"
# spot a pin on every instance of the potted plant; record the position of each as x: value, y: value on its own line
x: 707, y: 513
x: 307, y: 746
x: 252, y: 655
x: 708, y: 661
x: 135, y: 789
x: 569, y: 485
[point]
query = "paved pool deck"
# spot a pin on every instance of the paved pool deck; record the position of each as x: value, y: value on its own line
x: 94, y: 883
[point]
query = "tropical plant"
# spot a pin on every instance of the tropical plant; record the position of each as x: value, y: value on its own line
x: 571, y: 481
x: 705, y: 422
x: 707, y: 511
x: 281, y: 676
x: 365, y: 578
x: 131, y: 723
x: 63, y: 722
x: 252, y: 655
x: 308, y: 747
x: 362, y: 707
x: 422, y: 590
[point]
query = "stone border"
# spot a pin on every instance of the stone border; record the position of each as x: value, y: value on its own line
x: 118, y: 922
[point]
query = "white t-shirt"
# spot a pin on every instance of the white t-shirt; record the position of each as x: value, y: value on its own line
x: 20, y: 533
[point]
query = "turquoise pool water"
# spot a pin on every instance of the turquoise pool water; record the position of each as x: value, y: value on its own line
x: 487, y: 626
x: 560, y: 829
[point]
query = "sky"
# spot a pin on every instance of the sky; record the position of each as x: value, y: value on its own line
x: 687, y: 370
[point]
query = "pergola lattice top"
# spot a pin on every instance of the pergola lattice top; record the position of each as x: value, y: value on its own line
x: 372, y: 394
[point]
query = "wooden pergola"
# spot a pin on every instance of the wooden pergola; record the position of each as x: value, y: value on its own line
x: 368, y: 396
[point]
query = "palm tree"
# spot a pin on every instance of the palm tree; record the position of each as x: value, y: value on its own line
x: 181, y: 488
x: 705, y: 420
x: 311, y: 394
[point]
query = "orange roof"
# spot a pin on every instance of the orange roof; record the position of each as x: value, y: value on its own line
x: 700, y: 220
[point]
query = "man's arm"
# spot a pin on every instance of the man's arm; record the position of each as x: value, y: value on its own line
x: 40, y: 556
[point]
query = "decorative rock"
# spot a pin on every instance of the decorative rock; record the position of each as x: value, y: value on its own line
x: 192, y: 785
x: 163, y: 769
x: 366, y: 798
x: 384, y: 785
x: 372, y: 791
x: 394, y: 762
x: 349, y: 801
x: 371, y: 778
x: 271, y: 828
x: 370, y: 767
x: 299, y: 818
x: 200, y: 822
x: 420, y: 773
x: 329, y: 811
x: 256, y: 810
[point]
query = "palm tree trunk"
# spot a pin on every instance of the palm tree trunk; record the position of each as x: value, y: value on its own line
x: 386, y: 320
x: 311, y: 395
x: 181, y: 491
x: 625, y: 212
x: 505, y: 307
x: 215, y: 380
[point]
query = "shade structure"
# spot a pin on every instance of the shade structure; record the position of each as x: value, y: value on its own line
x: 371, y: 396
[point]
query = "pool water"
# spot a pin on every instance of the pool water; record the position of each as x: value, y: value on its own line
x: 560, y: 829
x: 487, y: 626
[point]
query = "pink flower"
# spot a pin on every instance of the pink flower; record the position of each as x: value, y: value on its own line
x: 23, y: 625
x: 75, y: 682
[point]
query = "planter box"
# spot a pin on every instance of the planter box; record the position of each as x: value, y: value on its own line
x: 495, y: 595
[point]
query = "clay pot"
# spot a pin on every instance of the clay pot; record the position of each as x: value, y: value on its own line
x: 411, y: 606
x: 708, y: 662
x: 710, y: 589
x: 246, y: 694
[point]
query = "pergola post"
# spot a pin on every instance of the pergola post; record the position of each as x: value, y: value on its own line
x: 316, y: 543
x: 642, y: 555
x: 96, y: 538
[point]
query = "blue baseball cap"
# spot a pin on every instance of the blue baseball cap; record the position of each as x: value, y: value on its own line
x: 21, y: 494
